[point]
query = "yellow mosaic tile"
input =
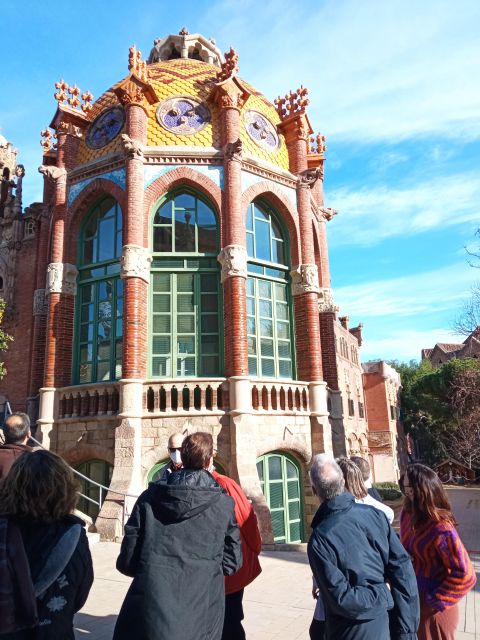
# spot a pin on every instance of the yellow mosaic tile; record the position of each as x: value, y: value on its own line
x: 187, y: 77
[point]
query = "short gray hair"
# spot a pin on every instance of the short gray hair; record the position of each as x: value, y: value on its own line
x: 326, y: 477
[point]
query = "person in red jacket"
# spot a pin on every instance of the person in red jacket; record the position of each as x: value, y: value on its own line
x: 251, y: 547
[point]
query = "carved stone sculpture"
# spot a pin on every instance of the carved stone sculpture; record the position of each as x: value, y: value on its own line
x: 135, y: 262
x: 233, y: 259
x: 326, y: 303
x: 233, y: 150
x: 53, y: 173
x: 131, y: 147
x: 305, y: 279
x: 308, y: 177
x: 40, y: 303
x: 61, y: 278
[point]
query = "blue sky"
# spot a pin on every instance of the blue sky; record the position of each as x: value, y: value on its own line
x: 393, y: 86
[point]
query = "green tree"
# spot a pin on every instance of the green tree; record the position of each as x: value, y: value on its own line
x: 5, y: 339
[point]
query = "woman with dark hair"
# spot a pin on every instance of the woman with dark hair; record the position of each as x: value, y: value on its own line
x: 441, y: 563
x: 45, y: 563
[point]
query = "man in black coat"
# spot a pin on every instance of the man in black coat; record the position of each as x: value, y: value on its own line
x: 364, y: 574
x: 16, y: 432
x: 180, y: 541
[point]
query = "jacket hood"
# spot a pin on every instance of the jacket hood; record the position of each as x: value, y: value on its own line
x: 184, y: 494
x: 343, y: 502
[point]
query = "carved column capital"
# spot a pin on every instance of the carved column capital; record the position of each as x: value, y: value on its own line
x: 305, y: 279
x: 57, y: 174
x: 135, y: 262
x: 233, y: 259
x: 326, y: 303
x: 40, y: 302
x: 61, y: 278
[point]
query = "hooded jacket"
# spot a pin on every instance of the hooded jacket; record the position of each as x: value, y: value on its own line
x: 354, y: 553
x: 180, y: 541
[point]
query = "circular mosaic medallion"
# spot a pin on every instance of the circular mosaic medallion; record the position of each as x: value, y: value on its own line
x: 183, y: 115
x: 261, y: 130
x: 105, y: 127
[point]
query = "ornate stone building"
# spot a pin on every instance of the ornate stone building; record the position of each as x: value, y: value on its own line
x: 176, y: 277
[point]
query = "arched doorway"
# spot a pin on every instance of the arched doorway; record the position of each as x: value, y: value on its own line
x: 99, y: 471
x: 279, y: 476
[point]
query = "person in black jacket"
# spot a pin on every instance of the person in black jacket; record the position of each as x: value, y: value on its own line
x: 363, y: 573
x: 45, y: 563
x: 180, y: 541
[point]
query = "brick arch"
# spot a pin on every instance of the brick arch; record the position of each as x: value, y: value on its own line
x: 82, y: 203
x: 181, y: 177
x: 83, y: 452
x: 298, y: 448
x: 283, y: 206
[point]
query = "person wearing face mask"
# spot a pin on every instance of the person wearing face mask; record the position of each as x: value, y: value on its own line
x: 174, y: 451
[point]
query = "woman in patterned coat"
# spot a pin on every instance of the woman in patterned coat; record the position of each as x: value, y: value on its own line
x: 441, y: 563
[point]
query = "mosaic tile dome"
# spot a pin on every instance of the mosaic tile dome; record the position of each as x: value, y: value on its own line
x: 187, y: 78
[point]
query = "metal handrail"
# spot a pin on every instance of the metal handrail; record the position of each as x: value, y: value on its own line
x: 101, y: 488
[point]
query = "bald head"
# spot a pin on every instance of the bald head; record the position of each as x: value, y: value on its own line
x: 17, y: 428
x: 326, y: 477
x: 175, y: 440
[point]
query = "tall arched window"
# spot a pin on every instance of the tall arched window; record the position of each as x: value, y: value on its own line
x: 185, y: 289
x: 100, y: 295
x: 268, y: 296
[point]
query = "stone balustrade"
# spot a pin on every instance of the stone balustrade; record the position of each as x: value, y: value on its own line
x: 275, y: 396
x: 89, y: 400
x: 192, y: 395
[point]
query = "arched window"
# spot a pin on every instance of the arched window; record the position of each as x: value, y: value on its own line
x: 100, y: 295
x: 269, y: 327
x: 185, y: 289
x: 279, y: 477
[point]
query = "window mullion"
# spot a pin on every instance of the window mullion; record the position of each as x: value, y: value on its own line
x: 197, y: 320
x: 174, y: 317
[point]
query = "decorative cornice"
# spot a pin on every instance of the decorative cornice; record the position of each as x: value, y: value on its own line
x: 304, y: 279
x: 57, y: 174
x: 40, y: 302
x: 132, y: 148
x: 135, y: 262
x: 61, y: 278
x: 233, y: 259
x: 326, y: 303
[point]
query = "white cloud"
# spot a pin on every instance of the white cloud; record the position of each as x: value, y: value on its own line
x: 414, y: 295
x: 376, y: 70
x: 373, y: 214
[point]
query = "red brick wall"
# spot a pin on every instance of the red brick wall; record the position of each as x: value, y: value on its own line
x: 378, y: 409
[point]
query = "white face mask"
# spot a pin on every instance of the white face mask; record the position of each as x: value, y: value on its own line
x: 175, y: 456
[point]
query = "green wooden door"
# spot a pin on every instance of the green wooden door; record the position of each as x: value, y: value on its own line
x: 98, y: 471
x: 280, y: 481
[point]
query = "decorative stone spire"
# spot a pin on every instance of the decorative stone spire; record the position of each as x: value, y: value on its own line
x: 294, y: 103
x: 185, y: 45
x: 64, y: 91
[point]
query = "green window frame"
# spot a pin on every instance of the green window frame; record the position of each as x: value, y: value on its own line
x: 185, y: 292
x: 279, y: 476
x: 269, y: 315
x: 99, y: 471
x: 99, y: 305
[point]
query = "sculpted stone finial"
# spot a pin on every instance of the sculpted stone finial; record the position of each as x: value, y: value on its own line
x: 233, y: 259
x: 229, y: 68
x: 135, y: 63
x: 131, y: 147
x: 64, y: 90
x: 57, y: 174
x: 293, y: 103
x: 326, y: 303
x: 305, y: 279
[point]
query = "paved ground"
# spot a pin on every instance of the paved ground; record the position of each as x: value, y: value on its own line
x: 278, y: 605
